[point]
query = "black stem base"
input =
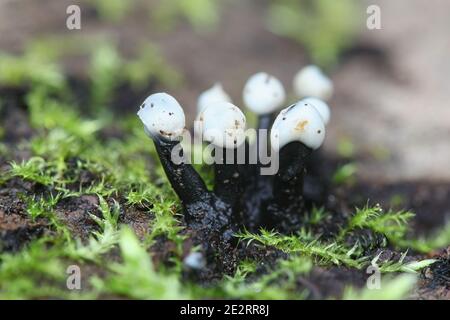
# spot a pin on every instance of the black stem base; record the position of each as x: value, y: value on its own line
x: 285, y: 208
x: 229, y: 180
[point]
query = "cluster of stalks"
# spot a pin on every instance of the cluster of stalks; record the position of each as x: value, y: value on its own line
x: 242, y: 195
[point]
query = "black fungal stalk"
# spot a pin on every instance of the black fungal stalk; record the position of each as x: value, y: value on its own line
x: 186, y: 182
x: 296, y: 132
x: 228, y: 175
x: 288, y: 182
x: 258, y: 187
x: 283, y: 211
x: 208, y: 215
x: 263, y: 94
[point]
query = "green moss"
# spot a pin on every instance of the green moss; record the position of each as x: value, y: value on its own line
x: 345, y: 148
x: 324, y: 253
x: 136, y: 277
x: 334, y: 251
x: 203, y: 15
x: 324, y: 27
x: 279, y: 282
x: 30, y: 69
x: 35, y: 169
x: 112, y: 10
x: 43, y: 206
x: 100, y: 241
x: 345, y: 174
x: 149, y: 63
x: 393, y: 288
x: 391, y: 224
x: 104, y: 73
x: 34, y: 272
x: 316, y: 216
x: 439, y: 239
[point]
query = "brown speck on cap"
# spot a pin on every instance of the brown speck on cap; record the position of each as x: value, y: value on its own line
x: 301, y: 125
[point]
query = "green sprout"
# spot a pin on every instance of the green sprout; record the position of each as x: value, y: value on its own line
x: 324, y: 27
x: 136, y: 277
x: 201, y: 14
x: 397, y: 288
x: 112, y: 10
x: 30, y: 69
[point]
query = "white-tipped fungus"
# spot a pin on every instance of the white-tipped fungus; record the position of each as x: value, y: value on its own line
x: 299, y: 122
x: 210, y: 96
x: 162, y: 116
x: 312, y: 82
x: 223, y: 124
x: 263, y: 93
x: 195, y: 260
x: 320, y: 106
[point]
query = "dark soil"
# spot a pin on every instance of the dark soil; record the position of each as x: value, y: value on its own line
x: 16, y: 228
x: 435, y: 280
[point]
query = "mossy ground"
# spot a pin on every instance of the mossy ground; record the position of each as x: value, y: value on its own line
x: 87, y: 189
x: 81, y: 184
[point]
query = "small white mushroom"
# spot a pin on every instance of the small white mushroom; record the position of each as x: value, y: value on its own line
x: 223, y: 124
x: 312, y: 82
x: 299, y: 122
x: 320, y: 106
x: 162, y: 116
x: 195, y: 260
x: 263, y: 93
x: 213, y: 94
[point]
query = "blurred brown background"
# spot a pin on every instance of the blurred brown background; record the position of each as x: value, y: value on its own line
x: 392, y: 85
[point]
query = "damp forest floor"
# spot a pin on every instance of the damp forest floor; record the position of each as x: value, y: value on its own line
x: 84, y: 187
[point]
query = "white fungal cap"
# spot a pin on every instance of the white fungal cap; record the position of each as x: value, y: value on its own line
x: 195, y: 260
x: 299, y: 122
x: 320, y: 106
x: 263, y: 93
x: 213, y: 94
x: 312, y: 82
x: 223, y: 124
x: 162, y: 116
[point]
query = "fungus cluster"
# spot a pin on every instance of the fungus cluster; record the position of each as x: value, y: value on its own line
x: 242, y: 196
